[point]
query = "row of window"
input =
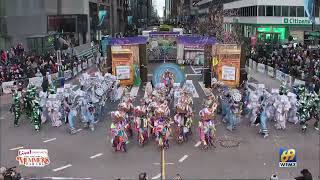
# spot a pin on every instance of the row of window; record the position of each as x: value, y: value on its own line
x: 284, y: 11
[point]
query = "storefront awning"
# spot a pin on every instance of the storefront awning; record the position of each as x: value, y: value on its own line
x: 128, y: 40
x: 196, y: 40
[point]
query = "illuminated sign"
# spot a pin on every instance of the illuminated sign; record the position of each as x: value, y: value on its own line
x: 296, y: 21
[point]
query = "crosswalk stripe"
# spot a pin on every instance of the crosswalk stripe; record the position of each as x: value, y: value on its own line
x: 145, y: 92
x: 195, y: 93
x: 134, y: 91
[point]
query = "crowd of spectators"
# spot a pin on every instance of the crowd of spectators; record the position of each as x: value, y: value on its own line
x: 300, y: 62
x: 17, y: 64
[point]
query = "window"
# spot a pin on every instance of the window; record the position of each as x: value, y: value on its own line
x: 262, y: 11
x: 300, y: 11
x: 293, y: 11
x: 255, y: 11
x: 269, y: 11
x: 277, y: 10
x: 285, y: 11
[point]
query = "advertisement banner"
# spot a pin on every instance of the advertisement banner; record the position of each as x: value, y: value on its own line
x: 228, y: 73
x: 270, y: 71
x: 254, y: 66
x: 123, y: 72
x: 36, y: 81
x: 90, y: 62
x: 261, y: 68
x: 278, y: 75
x: 74, y: 71
x: 68, y: 74
x: 7, y: 86
x: 85, y: 65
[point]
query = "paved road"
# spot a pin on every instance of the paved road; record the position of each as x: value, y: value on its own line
x: 89, y: 154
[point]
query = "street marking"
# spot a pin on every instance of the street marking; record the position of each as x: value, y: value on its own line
x: 134, y: 91
x: 60, y: 178
x: 166, y: 163
x: 193, y: 70
x: 78, y: 130
x: 157, y: 176
x: 183, y: 158
x: 194, y: 93
x: 198, y: 144
x: 49, y: 140
x: 145, y: 92
x: 61, y: 168
x: 97, y: 155
x: 21, y: 147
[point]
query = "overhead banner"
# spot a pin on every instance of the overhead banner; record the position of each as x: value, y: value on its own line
x: 36, y: 81
x: 228, y: 73
x: 7, y: 86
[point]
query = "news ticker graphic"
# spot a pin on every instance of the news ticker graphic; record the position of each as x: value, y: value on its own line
x: 287, y: 157
x: 33, y: 157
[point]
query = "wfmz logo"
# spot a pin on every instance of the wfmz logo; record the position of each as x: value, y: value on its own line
x: 288, y: 157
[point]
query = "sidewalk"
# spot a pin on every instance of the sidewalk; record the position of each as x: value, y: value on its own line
x: 269, y: 82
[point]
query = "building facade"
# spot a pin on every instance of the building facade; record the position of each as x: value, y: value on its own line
x: 270, y: 20
x: 81, y: 19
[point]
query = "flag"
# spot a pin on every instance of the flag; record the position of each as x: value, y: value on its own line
x: 215, y: 61
x: 309, y: 9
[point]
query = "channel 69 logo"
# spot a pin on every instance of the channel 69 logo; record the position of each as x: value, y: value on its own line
x: 288, y: 157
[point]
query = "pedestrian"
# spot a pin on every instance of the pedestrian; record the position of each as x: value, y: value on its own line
x: 178, y: 177
x: 274, y: 177
x: 306, y: 175
x: 143, y: 176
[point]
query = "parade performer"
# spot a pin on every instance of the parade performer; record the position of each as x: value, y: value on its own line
x: 126, y: 107
x: 263, y: 121
x: 317, y: 112
x: 282, y: 106
x: 207, y: 128
x: 235, y: 110
x: 183, y: 118
x: 270, y: 101
x: 16, y: 107
x: 72, y: 116
x: 292, y: 114
x: 36, y: 114
x: 30, y: 95
x: 119, y: 137
x: 53, y: 106
x: 43, y: 102
x: 141, y: 124
x: 161, y: 129
x: 253, y: 107
x: 89, y: 116
x: 303, y: 108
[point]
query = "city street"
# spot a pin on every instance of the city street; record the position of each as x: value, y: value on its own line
x: 89, y: 155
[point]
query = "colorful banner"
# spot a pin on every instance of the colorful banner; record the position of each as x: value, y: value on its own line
x: 7, y: 86
x: 196, y: 40
x: 128, y: 40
